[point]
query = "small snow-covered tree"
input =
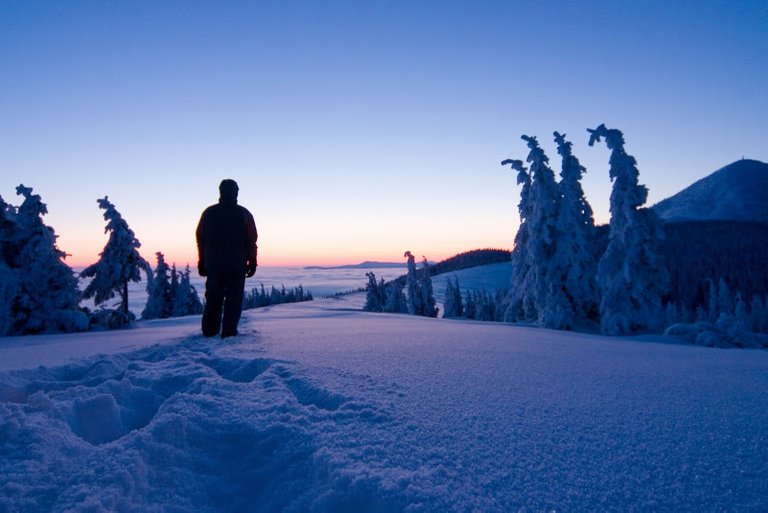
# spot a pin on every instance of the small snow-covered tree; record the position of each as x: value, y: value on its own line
x: 396, y: 301
x: 421, y: 300
x: 631, y: 273
x: 47, y: 296
x: 414, y: 295
x: 470, y: 307
x: 725, y: 301
x: 173, y: 287
x: 374, y: 294
x: 742, y: 322
x: 427, y: 292
x: 158, y: 292
x: 452, y: 307
x: 187, y: 302
x: 119, y: 262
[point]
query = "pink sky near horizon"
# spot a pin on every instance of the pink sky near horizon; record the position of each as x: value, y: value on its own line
x: 277, y: 249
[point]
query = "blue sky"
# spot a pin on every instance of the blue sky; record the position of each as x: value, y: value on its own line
x: 358, y: 130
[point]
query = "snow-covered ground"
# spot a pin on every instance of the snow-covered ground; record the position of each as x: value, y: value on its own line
x: 321, y: 407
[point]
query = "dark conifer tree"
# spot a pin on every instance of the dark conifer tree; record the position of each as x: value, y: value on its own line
x: 119, y: 262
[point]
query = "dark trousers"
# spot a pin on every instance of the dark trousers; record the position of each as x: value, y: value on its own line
x: 224, y: 290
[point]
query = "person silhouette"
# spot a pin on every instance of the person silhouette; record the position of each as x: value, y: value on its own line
x: 226, y: 247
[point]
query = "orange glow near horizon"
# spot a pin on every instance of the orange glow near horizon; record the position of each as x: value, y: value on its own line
x: 287, y: 244
x: 276, y: 260
x: 83, y: 255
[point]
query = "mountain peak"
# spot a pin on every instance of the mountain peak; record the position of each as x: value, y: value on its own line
x: 736, y: 192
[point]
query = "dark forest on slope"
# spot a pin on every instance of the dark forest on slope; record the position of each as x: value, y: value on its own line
x: 696, y: 252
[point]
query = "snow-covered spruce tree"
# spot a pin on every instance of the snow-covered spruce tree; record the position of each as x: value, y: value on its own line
x: 9, y: 257
x: 421, y: 299
x: 427, y: 292
x: 553, y: 309
x: 632, y: 275
x: 543, y: 299
x: 47, y: 294
x: 449, y: 305
x: 173, y: 286
x: 452, y: 307
x: 575, y: 257
x: 119, y: 262
x: 186, y: 301
x: 158, y: 292
x: 515, y: 309
x: 470, y: 307
x: 396, y: 301
x: 415, y: 306
x: 374, y: 295
x: 457, y: 299
x: 485, y: 306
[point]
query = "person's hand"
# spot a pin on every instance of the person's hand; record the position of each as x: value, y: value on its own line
x: 250, y: 268
x: 201, y: 270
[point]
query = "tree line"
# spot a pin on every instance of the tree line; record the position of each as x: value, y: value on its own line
x: 39, y: 292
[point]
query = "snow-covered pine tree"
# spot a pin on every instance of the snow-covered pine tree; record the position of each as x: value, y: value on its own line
x: 632, y: 274
x: 119, y: 262
x: 186, y: 301
x: 452, y: 307
x: 427, y: 292
x: 173, y: 287
x: 374, y: 294
x: 542, y: 296
x: 457, y: 298
x: 485, y: 306
x: 449, y: 305
x: 415, y: 306
x: 158, y: 292
x: 47, y: 294
x: 515, y: 309
x: 10, y: 239
x: 742, y: 322
x: 574, y: 256
x: 10, y: 234
x: 396, y: 301
x: 725, y: 301
x: 470, y: 307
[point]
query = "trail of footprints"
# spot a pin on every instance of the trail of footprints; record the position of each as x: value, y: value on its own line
x: 104, y: 399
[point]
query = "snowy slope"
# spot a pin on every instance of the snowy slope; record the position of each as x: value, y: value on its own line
x: 737, y: 192
x: 489, y: 278
x: 320, y: 407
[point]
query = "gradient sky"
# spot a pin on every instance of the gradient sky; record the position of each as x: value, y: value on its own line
x: 360, y: 129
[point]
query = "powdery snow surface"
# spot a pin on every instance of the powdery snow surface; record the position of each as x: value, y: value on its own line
x: 320, y: 407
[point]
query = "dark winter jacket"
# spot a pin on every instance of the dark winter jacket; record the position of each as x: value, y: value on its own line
x: 226, y: 238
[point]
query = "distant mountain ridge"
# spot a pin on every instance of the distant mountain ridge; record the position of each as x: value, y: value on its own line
x: 737, y: 192
x: 362, y: 265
